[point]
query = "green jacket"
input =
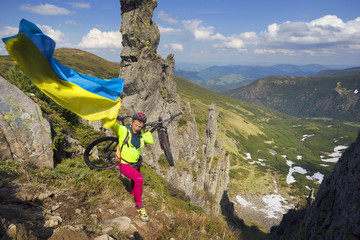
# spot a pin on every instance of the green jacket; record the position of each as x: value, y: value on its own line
x: 129, y: 153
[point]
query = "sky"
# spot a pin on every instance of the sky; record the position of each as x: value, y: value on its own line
x: 204, y: 32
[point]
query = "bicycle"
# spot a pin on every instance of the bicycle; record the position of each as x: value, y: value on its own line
x: 101, y: 153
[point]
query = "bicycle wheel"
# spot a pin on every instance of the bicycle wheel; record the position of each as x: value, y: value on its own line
x: 100, y: 154
x: 165, y: 145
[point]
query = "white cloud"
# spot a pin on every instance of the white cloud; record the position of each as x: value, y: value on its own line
x: 56, y: 35
x: 98, y: 39
x: 7, y: 31
x: 79, y: 4
x: 169, y: 31
x: 320, y: 33
x: 199, y: 32
x: 175, y: 46
x: 202, y: 33
x: 264, y: 51
x: 166, y: 18
x: 327, y: 35
x: 309, y: 52
x: 45, y: 9
x: 286, y: 52
x: 71, y: 22
x: 231, y: 42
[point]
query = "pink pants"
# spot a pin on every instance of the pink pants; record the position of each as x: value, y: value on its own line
x: 136, y: 181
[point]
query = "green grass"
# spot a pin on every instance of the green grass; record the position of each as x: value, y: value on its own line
x: 246, y: 128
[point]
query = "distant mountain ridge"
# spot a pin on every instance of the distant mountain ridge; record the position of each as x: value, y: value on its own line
x: 221, y: 78
x: 335, y: 97
x: 333, y: 72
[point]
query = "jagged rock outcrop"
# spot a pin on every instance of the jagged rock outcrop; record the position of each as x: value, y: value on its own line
x: 150, y: 88
x: 335, y: 213
x: 25, y: 134
x: 213, y: 172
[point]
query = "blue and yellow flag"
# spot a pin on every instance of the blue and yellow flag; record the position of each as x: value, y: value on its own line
x: 89, y: 97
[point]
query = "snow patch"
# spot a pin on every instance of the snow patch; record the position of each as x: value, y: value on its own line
x: 289, y: 178
x: 305, y: 136
x: 334, y: 157
x: 245, y: 203
x: 274, y: 206
x: 316, y: 177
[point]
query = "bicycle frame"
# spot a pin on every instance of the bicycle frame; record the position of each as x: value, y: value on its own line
x: 162, y: 128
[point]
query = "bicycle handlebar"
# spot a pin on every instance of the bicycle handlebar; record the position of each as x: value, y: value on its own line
x: 160, y: 121
x: 121, y: 118
x: 151, y: 124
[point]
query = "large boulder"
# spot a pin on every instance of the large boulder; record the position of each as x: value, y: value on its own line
x: 25, y: 135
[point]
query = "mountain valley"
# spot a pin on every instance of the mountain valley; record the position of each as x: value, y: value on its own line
x: 275, y: 159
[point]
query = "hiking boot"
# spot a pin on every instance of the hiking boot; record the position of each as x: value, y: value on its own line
x: 142, y: 213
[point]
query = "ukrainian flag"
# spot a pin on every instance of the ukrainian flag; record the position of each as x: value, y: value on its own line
x: 89, y: 97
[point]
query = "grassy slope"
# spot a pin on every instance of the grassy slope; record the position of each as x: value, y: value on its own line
x: 305, y: 96
x: 87, y: 63
x: 247, y: 128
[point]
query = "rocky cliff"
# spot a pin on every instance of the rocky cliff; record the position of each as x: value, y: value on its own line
x: 335, y: 212
x: 25, y: 135
x: 150, y: 88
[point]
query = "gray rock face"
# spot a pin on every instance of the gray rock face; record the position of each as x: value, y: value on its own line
x: 214, y: 164
x: 150, y: 88
x: 25, y: 134
x: 335, y: 213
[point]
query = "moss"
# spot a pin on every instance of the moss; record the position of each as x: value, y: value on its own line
x: 214, y: 163
x: 182, y: 165
x: 8, y: 170
x: 154, y: 181
x: 163, y: 162
x: 182, y: 122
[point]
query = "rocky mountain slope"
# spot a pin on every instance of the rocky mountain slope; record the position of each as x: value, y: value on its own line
x: 334, y: 214
x: 335, y: 97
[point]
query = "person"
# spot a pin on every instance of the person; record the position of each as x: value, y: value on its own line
x: 131, y: 139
